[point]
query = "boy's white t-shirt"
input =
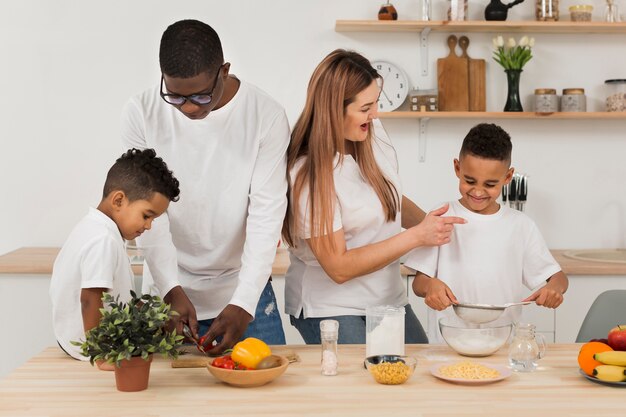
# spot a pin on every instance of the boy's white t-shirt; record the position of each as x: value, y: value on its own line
x: 489, y: 260
x: 358, y: 211
x: 93, y: 256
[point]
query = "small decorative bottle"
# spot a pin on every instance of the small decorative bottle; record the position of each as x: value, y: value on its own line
x: 427, y: 13
x: 329, y: 332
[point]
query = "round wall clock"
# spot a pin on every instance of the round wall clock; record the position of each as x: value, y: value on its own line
x: 395, y: 85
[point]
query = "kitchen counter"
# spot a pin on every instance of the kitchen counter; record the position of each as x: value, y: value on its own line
x: 52, y: 384
x: 40, y: 261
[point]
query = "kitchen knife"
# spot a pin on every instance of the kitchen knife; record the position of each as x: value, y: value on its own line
x: 513, y: 191
x: 189, y: 335
x: 523, y: 192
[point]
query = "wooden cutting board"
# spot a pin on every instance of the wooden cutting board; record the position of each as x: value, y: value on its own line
x: 476, y: 77
x: 453, y: 80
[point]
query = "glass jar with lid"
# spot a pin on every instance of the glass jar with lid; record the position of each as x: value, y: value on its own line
x: 546, y: 100
x: 573, y: 100
x: 616, y: 95
x: 547, y: 10
x: 457, y: 10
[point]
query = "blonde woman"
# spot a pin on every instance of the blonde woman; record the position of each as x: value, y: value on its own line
x: 346, y: 208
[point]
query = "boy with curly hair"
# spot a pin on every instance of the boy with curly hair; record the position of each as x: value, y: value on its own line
x: 497, y: 252
x: 93, y: 260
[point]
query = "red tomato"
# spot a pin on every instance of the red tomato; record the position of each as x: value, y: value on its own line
x: 201, y: 341
x: 225, y: 362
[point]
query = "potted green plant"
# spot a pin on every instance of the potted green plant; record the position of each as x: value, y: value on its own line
x: 127, y: 336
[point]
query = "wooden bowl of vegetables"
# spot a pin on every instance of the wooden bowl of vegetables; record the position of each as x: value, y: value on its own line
x: 249, y: 364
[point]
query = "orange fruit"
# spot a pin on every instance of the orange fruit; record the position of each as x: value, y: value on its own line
x: 585, y: 357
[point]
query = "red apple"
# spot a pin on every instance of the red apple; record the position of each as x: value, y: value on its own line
x: 617, y: 337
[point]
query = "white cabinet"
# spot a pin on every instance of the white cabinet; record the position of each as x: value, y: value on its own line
x: 26, y: 319
x: 292, y: 336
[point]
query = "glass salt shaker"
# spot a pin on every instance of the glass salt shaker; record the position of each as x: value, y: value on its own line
x: 329, y: 332
x: 526, y: 348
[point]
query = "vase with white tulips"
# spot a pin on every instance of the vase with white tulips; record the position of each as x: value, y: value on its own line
x: 512, y: 57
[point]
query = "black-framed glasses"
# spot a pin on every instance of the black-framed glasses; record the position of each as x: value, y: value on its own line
x: 197, y: 99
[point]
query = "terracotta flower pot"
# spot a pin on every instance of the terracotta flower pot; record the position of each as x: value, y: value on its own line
x: 132, y: 375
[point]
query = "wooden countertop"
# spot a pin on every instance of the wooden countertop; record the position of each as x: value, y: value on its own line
x: 52, y: 384
x: 40, y: 260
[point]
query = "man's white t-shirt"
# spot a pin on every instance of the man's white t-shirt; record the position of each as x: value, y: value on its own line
x: 219, y: 240
x: 492, y: 259
x: 358, y: 211
x: 93, y: 256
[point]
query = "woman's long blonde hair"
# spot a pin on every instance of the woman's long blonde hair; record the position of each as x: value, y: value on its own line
x: 318, y: 135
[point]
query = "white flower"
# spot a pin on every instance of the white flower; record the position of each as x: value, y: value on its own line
x: 524, y: 41
x: 511, y: 43
x: 531, y: 42
x: 495, y: 43
x: 500, y: 41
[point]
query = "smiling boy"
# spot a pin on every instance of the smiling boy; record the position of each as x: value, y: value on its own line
x: 93, y: 260
x: 499, y: 251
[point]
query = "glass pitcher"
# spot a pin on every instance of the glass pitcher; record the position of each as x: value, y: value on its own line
x: 526, y: 348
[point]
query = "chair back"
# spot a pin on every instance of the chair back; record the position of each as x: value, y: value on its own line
x: 607, y: 311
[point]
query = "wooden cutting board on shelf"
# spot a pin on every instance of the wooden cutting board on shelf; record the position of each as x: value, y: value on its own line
x: 453, y: 80
x: 476, y: 77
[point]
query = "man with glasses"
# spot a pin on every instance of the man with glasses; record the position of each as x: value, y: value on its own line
x: 211, y: 255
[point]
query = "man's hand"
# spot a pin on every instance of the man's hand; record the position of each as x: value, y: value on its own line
x: 231, y: 324
x: 438, y: 295
x: 186, y: 312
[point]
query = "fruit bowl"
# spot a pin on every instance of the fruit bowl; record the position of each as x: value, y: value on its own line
x: 476, y: 340
x: 250, y: 377
x: 390, y: 369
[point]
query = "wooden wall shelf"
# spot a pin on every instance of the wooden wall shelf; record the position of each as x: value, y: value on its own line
x: 424, y: 117
x: 424, y: 28
x: 479, y: 26
x: 503, y: 115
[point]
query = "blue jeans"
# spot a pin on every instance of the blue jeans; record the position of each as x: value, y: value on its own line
x: 266, y: 325
x: 352, y: 328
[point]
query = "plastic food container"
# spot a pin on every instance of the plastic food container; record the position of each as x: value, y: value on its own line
x: 384, y: 330
x: 581, y: 12
x: 616, y: 95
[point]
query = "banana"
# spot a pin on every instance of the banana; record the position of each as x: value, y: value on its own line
x: 611, y: 373
x: 613, y: 357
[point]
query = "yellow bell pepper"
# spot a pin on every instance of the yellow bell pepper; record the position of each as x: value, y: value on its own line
x: 250, y: 352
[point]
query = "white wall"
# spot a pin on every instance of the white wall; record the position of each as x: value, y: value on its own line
x: 68, y: 66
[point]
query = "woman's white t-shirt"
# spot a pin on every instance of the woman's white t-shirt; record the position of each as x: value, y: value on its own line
x: 359, y: 213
